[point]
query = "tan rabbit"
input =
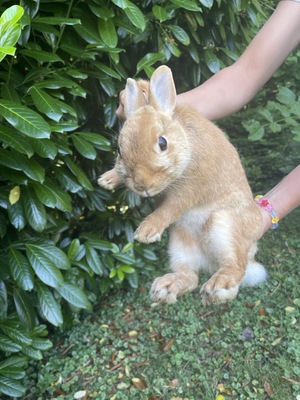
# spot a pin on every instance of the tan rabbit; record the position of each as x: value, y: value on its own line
x: 206, y: 201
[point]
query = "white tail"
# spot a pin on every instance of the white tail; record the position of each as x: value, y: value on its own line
x: 255, y: 274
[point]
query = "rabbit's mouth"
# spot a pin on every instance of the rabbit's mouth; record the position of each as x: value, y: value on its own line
x: 145, y: 192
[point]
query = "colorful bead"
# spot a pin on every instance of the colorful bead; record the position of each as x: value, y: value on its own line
x: 263, y: 202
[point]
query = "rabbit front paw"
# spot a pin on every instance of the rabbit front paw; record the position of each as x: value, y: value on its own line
x: 167, y: 288
x: 109, y: 180
x: 219, y: 289
x: 147, y: 233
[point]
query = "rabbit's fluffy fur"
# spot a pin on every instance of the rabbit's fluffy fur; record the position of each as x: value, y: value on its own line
x: 206, y: 201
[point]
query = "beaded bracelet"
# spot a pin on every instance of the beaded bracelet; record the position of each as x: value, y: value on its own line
x: 264, y: 203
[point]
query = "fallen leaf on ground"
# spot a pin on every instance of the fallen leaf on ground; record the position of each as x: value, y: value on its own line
x: 223, y: 389
x: 173, y: 383
x: 81, y: 394
x: 169, y: 345
x: 139, y: 383
x: 268, y: 389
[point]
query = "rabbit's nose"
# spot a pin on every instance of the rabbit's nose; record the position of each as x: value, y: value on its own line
x: 140, y: 188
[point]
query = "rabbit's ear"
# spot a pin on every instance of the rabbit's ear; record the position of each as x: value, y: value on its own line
x: 134, y: 97
x: 162, y: 90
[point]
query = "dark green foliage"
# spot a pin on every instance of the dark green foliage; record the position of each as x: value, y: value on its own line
x: 280, y: 111
x: 64, y: 240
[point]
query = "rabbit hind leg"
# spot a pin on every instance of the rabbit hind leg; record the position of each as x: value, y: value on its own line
x: 229, y: 249
x: 185, y: 259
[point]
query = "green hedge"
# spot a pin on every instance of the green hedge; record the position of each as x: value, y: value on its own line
x: 64, y: 241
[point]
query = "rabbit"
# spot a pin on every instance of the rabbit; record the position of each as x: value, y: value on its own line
x: 205, y: 199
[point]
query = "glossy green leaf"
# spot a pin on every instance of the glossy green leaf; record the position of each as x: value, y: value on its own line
x: 41, y: 344
x: 67, y: 181
x: 15, y: 140
x: 45, y: 103
x: 45, y: 148
x: 57, y: 21
x: 101, y: 11
x: 121, y: 3
x: 190, y: 5
x: 74, y: 295
x: 34, y: 211
x: 207, y: 3
x: 229, y: 53
x: 148, y: 60
x: 3, y: 301
x: 99, y: 141
x: 9, y: 93
x: 16, y: 215
x: 103, y: 245
x: 24, y: 119
x: 10, y: 37
x: 133, y: 280
x: 49, y: 307
x: 160, y: 13
x: 42, y: 56
x: 6, y: 51
x: 73, y: 249
x: 78, y: 172
x: 11, y: 387
x: 135, y: 15
x: 110, y: 119
x: 20, y: 269
x: 94, y: 260
x: 16, y: 334
x: 180, y: 34
x: 106, y: 70
x: 84, y: 147
x: 14, y: 362
x: 88, y: 32
x: 173, y: 48
x: 212, y: 61
x: 53, y: 196
x: 11, y: 16
x: 125, y: 258
x: 17, y: 161
x: 32, y: 353
x: 57, y: 256
x: 9, y: 346
x: 108, y: 32
x: 45, y: 268
x: 25, y: 309
x: 13, y: 373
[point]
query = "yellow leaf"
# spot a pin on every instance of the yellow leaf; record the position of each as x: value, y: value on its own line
x: 133, y: 334
x: 223, y: 389
x: 220, y: 397
x: 276, y: 341
x: 289, y: 309
x: 14, y: 195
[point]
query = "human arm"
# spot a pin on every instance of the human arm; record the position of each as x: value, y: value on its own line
x: 284, y: 198
x: 230, y: 89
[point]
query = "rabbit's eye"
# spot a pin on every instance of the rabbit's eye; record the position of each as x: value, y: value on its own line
x: 163, y: 144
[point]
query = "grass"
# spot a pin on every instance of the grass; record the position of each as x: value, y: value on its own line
x: 130, y: 349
